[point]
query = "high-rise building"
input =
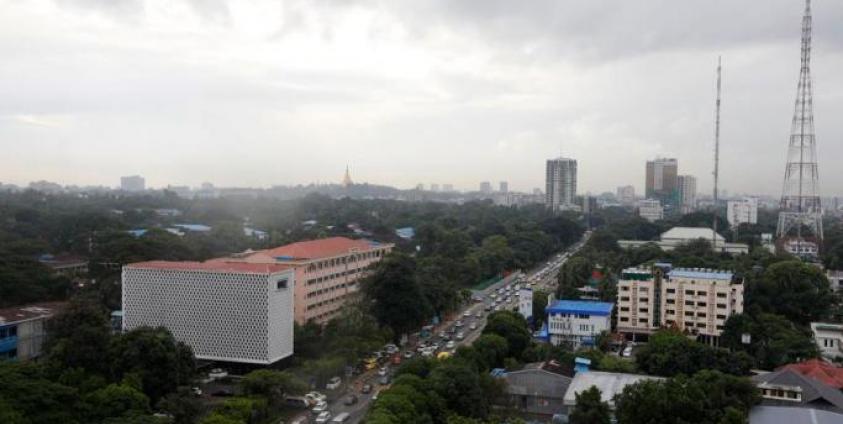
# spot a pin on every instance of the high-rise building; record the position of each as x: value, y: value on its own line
x: 661, y: 182
x: 485, y: 187
x: 687, y: 186
x: 744, y: 211
x: 698, y: 301
x: 132, y: 183
x: 626, y: 195
x: 420, y: 187
x: 650, y: 209
x: 504, y: 187
x: 434, y: 187
x: 447, y: 188
x: 561, y: 184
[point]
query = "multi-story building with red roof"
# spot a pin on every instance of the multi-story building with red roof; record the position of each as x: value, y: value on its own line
x: 327, y: 272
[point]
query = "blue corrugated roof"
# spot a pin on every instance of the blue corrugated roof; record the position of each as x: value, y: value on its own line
x: 580, y: 307
x: 712, y: 274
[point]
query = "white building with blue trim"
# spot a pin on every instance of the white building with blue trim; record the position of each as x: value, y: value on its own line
x: 577, y: 322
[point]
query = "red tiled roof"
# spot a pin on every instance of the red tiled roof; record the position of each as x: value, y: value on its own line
x: 25, y: 312
x: 819, y: 370
x: 213, y: 265
x: 322, y: 248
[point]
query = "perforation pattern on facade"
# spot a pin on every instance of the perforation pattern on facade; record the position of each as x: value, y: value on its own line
x: 222, y: 315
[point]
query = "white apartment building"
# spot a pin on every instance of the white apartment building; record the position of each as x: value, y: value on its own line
x: 132, y: 183
x: 697, y: 300
x: 561, y: 184
x: 225, y: 311
x: 650, y: 209
x: 637, y: 302
x: 700, y: 301
x: 577, y: 322
x: 687, y: 186
x: 744, y: 211
x: 626, y: 195
x: 829, y: 339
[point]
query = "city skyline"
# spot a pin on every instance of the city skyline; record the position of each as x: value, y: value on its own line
x: 264, y: 94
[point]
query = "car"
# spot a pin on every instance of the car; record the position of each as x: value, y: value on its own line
x: 408, y: 354
x: 297, y: 402
x: 316, y: 397
x: 497, y: 308
x: 323, y: 417
x: 196, y: 391
x: 384, y: 380
x: 333, y: 383
x: 375, y: 396
x: 341, y: 418
x: 319, y: 408
x: 627, y: 352
x: 223, y: 393
x: 366, y: 389
x: 479, y: 314
x: 391, y: 348
x: 218, y: 373
x: 350, y: 400
x: 466, y: 314
x: 460, y: 336
x: 488, y: 308
x: 458, y: 324
x: 473, y: 326
x: 442, y: 335
x: 383, y: 370
x: 450, y: 345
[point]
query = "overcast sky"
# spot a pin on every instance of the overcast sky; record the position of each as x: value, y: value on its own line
x: 253, y: 93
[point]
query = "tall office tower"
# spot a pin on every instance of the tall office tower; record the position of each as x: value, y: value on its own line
x: 687, y: 186
x: 132, y: 183
x: 800, y: 205
x: 420, y: 187
x: 434, y: 187
x: 504, y: 187
x: 626, y: 195
x: 447, y: 187
x: 561, y: 187
x: 485, y: 187
x: 743, y: 211
x: 662, y: 181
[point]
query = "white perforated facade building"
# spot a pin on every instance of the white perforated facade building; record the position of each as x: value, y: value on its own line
x: 226, y: 311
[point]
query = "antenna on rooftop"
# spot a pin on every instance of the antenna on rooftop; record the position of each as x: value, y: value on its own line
x: 716, y: 155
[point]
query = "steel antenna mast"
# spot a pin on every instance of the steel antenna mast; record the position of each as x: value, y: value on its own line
x: 716, y: 154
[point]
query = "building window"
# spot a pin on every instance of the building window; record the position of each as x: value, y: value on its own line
x: 671, y: 291
x: 721, y: 305
x: 624, y: 308
x: 701, y: 304
x: 671, y: 301
x: 689, y: 292
x: 624, y: 319
x: 721, y: 295
x: 701, y: 293
x: 689, y: 303
x: 644, y: 310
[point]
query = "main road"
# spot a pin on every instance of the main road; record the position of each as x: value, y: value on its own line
x: 474, y: 314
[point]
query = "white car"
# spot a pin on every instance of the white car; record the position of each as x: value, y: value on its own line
x: 323, y: 418
x: 218, y: 373
x: 450, y: 344
x: 320, y: 408
x: 466, y: 314
x: 333, y: 383
x: 316, y: 397
x: 473, y: 326
x: 627, y: 352
x: 382, y: 371
x: 460, y: 336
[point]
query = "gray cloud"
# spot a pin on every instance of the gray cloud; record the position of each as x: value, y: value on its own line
x: 407, y: 91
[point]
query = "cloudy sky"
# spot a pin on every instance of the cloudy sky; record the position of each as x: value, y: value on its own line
x: 254, y: 93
